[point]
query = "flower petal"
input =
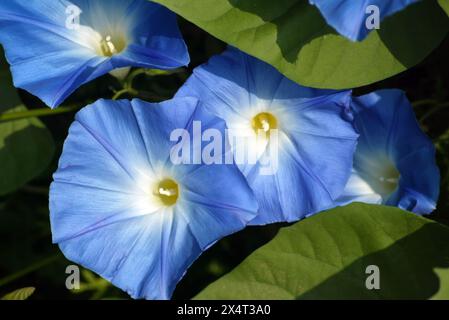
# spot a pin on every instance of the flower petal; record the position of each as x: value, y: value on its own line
x: 64, y: 59
x: 240, y: 78
x: 349, y: 17
x: 217, y: 209
x: 312, y: 124
x: 145, y: 256
x: 391, y: 139
x: 105, y: 214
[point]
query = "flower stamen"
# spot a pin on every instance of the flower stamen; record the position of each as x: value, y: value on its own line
x: 167, y: 191
x: 264, y: 122
x: 110, y: 46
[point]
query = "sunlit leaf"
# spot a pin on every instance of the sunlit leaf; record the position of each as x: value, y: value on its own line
x: 326, y: 257
x: 445, y: 5
x: 292, y: 36
x: 26, y: 146
x: 20, y: 294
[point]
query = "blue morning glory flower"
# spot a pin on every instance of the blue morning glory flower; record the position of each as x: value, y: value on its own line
x: 121, y: 207
x: 349, y: 17
x: 395, y: 162
x: 56, y: 46
x: 299, y: 138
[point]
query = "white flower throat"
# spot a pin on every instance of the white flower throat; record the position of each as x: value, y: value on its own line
x: 104, y: 44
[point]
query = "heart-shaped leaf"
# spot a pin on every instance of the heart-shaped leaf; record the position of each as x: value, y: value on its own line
x: 445, y: 5
x: 26, y: 146
x: 292, y: 36
x: 20, y: 294
x: 355, y: 252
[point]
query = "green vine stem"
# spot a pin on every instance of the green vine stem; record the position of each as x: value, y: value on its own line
x: 42, y: 112
x: 127, y: 90
x: 35, y: 266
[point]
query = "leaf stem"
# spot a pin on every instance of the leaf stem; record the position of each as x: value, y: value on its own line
x: 42, y: 112
x: 434, y: 110
x: 120, y: 93
x: 424, y: 102
x: 43, y: 191
x: 35, y: 266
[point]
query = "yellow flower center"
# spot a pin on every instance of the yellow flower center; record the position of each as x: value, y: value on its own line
x: 111, y: 45
x: 264, y: 122
x: 167, y: 191
x: 389, y: 178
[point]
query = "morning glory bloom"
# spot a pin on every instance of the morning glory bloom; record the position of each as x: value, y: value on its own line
x: 120, y: 207
x: 395, y: 162
x: 349, y: 17
x: 54, y: 47
x: 311, y: 149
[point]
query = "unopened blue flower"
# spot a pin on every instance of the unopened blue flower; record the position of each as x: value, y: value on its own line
x: 349, y: 17
x: 56, y: 46
x: 395, y: 162
x: 311, y: 153
x: 120, y: 207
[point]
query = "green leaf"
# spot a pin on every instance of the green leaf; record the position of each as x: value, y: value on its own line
x: 20, y: 294
x: 445, y: 5
x: 326, y: 256
x: 292, y: 36
x: 26, y: 146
